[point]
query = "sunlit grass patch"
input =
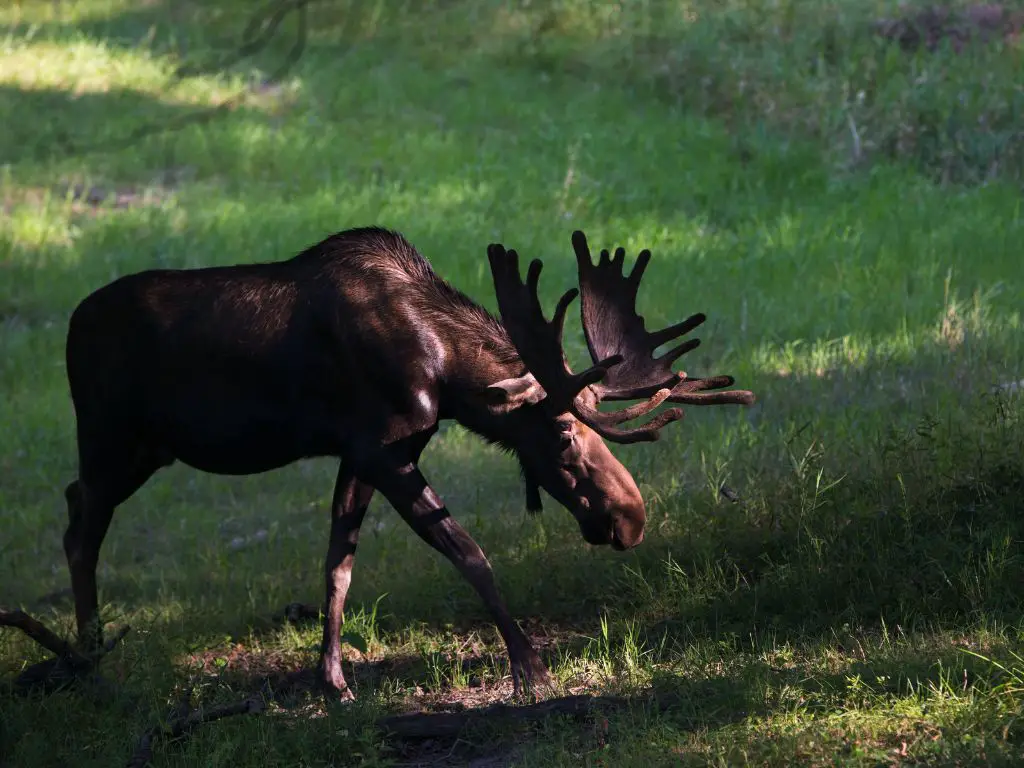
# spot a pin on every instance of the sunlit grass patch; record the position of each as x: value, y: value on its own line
x: 87, y: 66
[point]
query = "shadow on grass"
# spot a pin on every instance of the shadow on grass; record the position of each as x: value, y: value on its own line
x: 674, y: 703
x: 927, y: 543
x: 920, y: 535
x: 922, y: 532
x: 61, y: 120
x: 922, y: 523
x: 719, y: 196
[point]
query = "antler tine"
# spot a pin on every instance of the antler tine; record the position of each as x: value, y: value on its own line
x: 649, y: 432
x: 539, y: 341
x: 736, y: 397
x: 611, y: 418
x: 657, y: 338
x: 707, y: 382
x: 693, y: 392
x: 642, y: 260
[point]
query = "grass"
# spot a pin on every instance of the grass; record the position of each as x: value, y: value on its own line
x: 847, y: 214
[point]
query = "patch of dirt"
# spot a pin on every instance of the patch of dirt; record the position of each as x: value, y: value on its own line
x: 99, y: 198
x: 983, y: 23
x: 287, y: 677
x: 479, y: 693
x: 240, y: 659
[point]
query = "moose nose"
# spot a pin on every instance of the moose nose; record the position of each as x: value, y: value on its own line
x: 625, y: 535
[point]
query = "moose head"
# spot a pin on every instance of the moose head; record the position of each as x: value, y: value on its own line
x: 561, y: 431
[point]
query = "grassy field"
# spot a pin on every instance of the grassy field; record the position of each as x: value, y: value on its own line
x: 848, y: 215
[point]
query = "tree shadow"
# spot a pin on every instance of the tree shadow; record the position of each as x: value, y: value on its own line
x: 672, y: 704
x: 71, y: 125
x: 169, y: 30
x: 227, y: 33
x: 62, y: 118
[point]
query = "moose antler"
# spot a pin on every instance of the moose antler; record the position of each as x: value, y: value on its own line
x: 539, y: 343
x: 613, y: 327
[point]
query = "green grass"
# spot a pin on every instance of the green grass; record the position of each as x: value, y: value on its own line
x: 846, y: 214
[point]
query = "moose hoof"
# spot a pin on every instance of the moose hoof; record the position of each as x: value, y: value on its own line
x: 343, y: 695
x: 530, y: 675
x: 334, y: 686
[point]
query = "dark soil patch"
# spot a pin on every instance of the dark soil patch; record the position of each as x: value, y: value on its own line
x: 983, y: 23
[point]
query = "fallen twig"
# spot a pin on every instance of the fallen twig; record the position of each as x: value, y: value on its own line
x: 182, y: 725
x: 68, y: 663
x: 42, y: 634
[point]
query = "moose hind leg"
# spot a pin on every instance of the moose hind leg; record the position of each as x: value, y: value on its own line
x: 348, y: 508
x: 91, y: 501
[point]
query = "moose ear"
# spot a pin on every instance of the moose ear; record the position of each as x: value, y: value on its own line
x: 509, y: 394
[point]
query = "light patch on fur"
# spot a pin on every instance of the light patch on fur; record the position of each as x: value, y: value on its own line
x: 435, y: 351
x: 425, y: 401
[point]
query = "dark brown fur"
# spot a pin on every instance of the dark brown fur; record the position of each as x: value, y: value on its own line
x: 354, y: 349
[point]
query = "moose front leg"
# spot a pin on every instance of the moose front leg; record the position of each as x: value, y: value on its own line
x: 409, y: 493
x: 348, y: 508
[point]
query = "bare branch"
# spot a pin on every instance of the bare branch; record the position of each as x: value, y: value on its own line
x: 68, y: 664
x: 182, y: 725
x: 43, y: 635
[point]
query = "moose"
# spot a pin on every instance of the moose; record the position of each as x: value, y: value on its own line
x: 355, y: 349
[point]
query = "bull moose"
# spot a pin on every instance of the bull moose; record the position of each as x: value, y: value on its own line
x: 355, y: 349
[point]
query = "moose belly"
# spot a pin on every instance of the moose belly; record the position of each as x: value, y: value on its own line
x: 243, y: 435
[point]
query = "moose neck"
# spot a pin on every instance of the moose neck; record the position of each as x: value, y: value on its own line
x: 481, y: 354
